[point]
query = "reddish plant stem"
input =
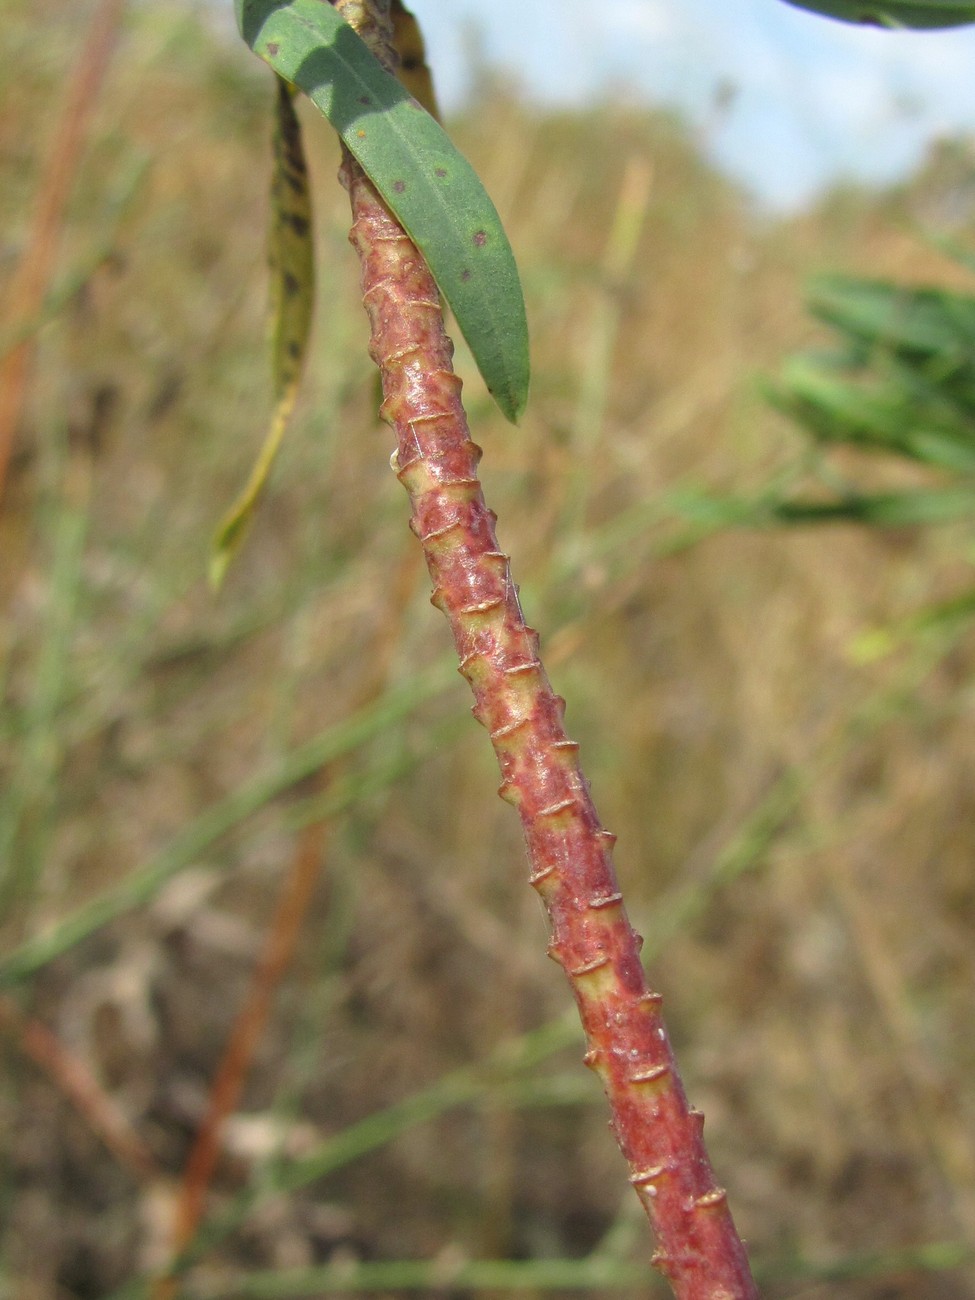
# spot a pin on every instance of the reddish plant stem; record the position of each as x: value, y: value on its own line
x: 75, y: 1080
x: 248, y: 1028
x: 569, y: 852
x: 30, y: 281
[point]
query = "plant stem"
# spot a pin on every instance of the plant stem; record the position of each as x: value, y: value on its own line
x: 569, y: 851
x: 294, y: 900
x: 31, y: 279
x: 76, y: 1082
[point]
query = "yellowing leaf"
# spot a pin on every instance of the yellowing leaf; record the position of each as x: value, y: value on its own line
x: 292, y: 266
x: 431, y: 189
x: 413, y: 71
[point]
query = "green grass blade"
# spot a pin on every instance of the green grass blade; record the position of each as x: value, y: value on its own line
x: 894, y: 13
x: 431, y: 1275
x: 142, y: 885
x: 26, y: 802
x: 902, y: 380
x: 883, y: 510
x: 511, y: 1060
x: 432, y: 189
x: 558, y: 1274
x: 917, y: 321
x: 900, y: 413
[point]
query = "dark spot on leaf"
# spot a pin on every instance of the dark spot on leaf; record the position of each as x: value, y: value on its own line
x: 480, y: 239
x: 364, y: 99
x: 870, y: 20
x: 440, y: 171
x: 411, y: 63
x: 465, y: 275
x: 399, y: 186
x: 272, y: 48
x: 298, y: 224
x: 292, y: 284
x: 294, y: 349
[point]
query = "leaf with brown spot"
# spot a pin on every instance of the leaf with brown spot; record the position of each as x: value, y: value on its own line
x: 442, y: 204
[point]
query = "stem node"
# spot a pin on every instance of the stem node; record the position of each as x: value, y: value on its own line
x: 569, y: 851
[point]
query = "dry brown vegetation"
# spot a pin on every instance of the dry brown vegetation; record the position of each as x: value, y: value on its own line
x: 794, y: 816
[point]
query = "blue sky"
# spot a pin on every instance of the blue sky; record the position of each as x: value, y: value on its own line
x: 814, y: 100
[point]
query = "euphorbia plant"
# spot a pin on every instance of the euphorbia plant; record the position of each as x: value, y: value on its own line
x: 425, y: 231
x: 418, y: 210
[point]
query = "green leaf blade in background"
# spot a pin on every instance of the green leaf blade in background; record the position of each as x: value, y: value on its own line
x: 429, y: 186
x: 902, y: 380
x: 914, y: 321
x: 899, y: 417
x: 920, y: 14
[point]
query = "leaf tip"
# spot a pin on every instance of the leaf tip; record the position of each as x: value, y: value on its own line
x: 512, y: 400
x: 226, y: 543
x: 217, y: 567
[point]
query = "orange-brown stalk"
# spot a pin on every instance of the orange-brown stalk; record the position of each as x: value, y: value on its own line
x: 569, y: 852
x: 31, y: 279
x: 75, y: 1080
x: 291, y: 909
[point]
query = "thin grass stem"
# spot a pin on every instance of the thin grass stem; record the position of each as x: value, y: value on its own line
x: 144, y: 883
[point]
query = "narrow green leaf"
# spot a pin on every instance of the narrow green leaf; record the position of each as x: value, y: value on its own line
x: 894, y: 13
x: 432, y: 189
x: 889, y: 417
x: 514, y: 1276
x: 913, y: 319
x: 910, y: 509
x: 885, y: 510
x: 903, y: 380
x: 292, y: 264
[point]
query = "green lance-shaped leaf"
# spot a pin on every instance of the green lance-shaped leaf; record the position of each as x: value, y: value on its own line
x: 895, y: 412
x: 894, y: 13
x: 432, y: 189
x: 915, y: 322
x: 292, y: 263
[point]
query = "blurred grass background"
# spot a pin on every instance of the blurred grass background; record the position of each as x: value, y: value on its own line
x: 794, y: 815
